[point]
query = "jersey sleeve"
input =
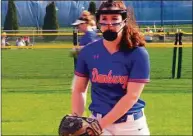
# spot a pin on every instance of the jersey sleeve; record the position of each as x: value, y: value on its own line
x: 81, y: 66
x: 140, y: 69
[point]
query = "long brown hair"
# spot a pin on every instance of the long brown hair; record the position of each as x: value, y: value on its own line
x: 131, y: 35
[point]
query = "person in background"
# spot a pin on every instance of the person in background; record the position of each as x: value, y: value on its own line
x: 87, y: 14
x: 84, y: 25
x: 161, y: 36
x: 27, y: 41
x: 148, y: 35
x: 4, y: 40
x: 20, y: 42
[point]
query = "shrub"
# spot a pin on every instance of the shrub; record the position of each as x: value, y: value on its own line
x: 11, y: 22
x: 50, y: 22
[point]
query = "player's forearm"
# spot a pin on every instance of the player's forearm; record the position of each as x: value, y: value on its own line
x: 81, y: 47
x: 78, y: 102
x: 124, y: 104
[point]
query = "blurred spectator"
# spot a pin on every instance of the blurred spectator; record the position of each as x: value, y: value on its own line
x: 27, y: 41
x: 148, y: 35
x: 161, y: 36
x: 20, y: 42
x: 4, y: 40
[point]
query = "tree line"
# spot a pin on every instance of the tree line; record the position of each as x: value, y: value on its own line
x: 50, y: 18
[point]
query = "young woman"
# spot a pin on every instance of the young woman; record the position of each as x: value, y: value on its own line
x: 118, y: 68
x: 83, y: 24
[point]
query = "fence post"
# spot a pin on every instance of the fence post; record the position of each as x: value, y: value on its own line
x: 75, y: 43
x: 33, y: 37
x: 179, y: 55
x: 174, y: 62
x: 174, y: 55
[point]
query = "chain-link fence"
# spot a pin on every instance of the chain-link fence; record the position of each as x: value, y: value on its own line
x: 161, y: 57
x: 38, y: 36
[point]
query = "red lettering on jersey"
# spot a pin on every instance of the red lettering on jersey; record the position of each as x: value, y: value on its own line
x: 94, y: 75
x: 109, y: 78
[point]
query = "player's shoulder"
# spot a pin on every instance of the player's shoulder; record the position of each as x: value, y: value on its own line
x: 137, y: 51
x: 140, y: 51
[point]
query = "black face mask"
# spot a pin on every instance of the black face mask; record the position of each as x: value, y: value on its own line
x: 110, y: 35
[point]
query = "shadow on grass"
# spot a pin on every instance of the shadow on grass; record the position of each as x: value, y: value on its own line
x: 39, y: 91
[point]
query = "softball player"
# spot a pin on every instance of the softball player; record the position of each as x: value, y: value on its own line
x: 118, y: 68
x: 84, y: 25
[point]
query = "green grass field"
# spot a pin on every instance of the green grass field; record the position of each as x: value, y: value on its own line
x: 36, y: 92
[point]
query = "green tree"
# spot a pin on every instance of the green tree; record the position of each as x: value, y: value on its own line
x: 92, y: 7
x: 50, y: 22
x: 11, y: 22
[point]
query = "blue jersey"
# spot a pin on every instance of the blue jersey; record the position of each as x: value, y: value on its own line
x: 88, y: 37
x: 110, y: 73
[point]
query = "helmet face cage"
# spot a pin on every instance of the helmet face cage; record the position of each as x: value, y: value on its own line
x: 108, y: 5
x: 123, y: 13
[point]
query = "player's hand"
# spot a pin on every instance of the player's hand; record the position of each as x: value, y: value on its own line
x: 75, y: 51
